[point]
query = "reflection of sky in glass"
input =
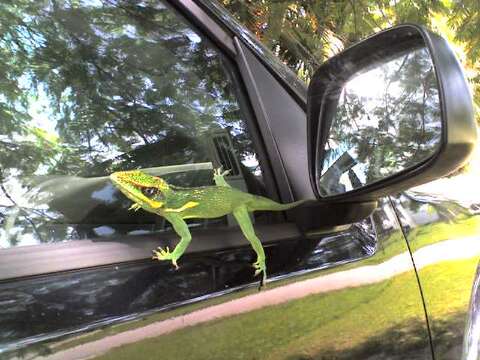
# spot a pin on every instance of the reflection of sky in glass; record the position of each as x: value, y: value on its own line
x: 387, y: 119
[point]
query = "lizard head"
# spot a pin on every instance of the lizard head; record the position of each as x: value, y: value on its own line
x: 145, y: 190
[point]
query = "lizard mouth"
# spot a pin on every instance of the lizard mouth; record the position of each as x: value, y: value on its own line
x: 137, y: 193
x: 133, y: 192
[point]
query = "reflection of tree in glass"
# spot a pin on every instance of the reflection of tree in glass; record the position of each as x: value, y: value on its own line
x: 82, y: 85
x: 388, y: 118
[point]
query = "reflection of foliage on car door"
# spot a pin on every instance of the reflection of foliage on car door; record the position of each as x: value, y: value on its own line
x: 87, y: 90
x: 114, y: 77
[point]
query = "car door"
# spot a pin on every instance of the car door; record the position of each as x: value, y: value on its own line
x: 166, y: 87
x: 442, y: 231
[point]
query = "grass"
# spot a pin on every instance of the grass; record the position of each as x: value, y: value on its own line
x: 296, y: 327
x: 138, y: 323
x: 387, y: 315
x: 447, y: 292
x: 432, y: 233
x: 394, y: 245
x: 428, y: 234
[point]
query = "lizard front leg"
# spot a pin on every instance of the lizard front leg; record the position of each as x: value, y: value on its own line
x: 181, y: 228
x: 218, y: 177
x: 243, y: 219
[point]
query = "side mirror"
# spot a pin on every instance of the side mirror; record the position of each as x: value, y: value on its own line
x: 391, y: 112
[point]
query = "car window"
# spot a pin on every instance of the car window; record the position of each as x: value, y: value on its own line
x: 93, y: 87
x: 233, y: 19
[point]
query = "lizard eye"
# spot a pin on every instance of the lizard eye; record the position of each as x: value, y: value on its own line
x: 149, y: 191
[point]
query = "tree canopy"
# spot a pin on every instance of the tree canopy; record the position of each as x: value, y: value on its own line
x: 304, y: 33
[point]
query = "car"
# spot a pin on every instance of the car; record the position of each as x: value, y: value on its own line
x: 372, y: 265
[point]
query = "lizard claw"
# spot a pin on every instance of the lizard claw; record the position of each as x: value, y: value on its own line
x: 135, y: 207
x: 219, y: 172
x: 260, y: 267
x: 162, y: 254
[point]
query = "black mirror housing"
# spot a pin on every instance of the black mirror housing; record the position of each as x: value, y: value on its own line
x: 458, y: 128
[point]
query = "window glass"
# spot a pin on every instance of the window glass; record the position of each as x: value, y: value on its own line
x: 92, y: 87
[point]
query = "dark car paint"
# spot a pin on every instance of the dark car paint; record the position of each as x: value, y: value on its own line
x: 355, y: 274
x: 66, y: 301
x: 351, y: 294
x: 446, y: 264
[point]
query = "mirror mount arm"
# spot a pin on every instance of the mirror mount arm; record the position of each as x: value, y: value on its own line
x: 315, y: 216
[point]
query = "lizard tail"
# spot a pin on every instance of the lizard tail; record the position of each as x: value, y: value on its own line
x: 261, y: 203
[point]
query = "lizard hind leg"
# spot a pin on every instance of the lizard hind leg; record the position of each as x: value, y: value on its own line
x: 181, y: 228
x: 243, y: 219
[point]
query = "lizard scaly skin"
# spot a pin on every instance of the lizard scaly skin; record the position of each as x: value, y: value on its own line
x: 175, y: 204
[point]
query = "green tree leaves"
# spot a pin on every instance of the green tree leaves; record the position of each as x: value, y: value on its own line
x: 305, y: 33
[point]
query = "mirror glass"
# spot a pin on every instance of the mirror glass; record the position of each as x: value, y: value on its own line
x: 387, y: 119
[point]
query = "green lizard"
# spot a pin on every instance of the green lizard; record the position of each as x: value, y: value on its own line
x: 175, y: 204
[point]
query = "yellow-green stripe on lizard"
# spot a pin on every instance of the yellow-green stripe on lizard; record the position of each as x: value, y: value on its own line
x: 175, y: 204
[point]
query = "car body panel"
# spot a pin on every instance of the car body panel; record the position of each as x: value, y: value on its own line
x: 444, y: 239
x: 336, y: 296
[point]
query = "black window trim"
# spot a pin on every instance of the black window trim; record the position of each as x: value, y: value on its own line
x: 278, y: 167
